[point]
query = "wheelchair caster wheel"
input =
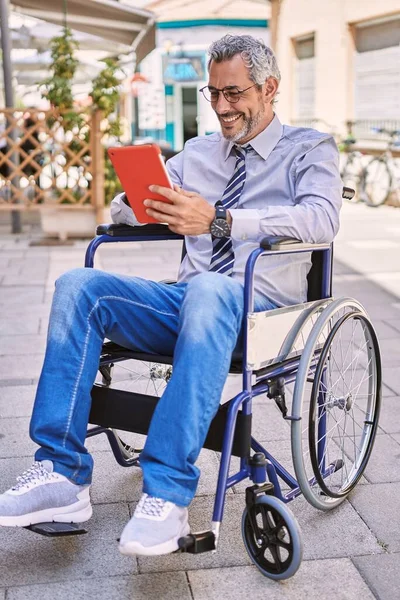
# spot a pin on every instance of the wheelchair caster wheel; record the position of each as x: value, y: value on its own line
x: 272, y: 538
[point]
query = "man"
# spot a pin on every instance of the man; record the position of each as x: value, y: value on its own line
x: 231, y: 189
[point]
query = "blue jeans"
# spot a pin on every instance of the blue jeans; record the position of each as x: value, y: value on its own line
x: 199, y: 323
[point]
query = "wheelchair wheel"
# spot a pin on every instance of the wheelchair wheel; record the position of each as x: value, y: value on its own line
x: 134, y: 376
x: 272, y: 538
x: 337, y: 394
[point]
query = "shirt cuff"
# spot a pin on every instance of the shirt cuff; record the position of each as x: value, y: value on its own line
x: 245, y: 224
x: 121, y: 212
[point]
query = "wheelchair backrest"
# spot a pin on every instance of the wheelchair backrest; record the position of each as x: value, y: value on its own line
x: 315, y: 277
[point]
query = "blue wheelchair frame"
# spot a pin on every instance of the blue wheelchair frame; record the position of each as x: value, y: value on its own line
x: 255, y: 470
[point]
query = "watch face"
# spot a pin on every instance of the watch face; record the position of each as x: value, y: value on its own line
x: 219, y: 228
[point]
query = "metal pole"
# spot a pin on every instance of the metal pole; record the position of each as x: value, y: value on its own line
x: 9, y: 92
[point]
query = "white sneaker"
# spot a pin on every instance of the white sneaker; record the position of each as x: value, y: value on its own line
x: 42, y: 496
x: 155, y: 528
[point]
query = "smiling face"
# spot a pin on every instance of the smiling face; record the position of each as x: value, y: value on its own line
x: 243, y: 120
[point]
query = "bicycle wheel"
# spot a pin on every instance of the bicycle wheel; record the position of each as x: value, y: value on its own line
x: 272, y: 537
x: 377, y: 182
x: 337, y: 395
x: 351, y: 174
x: 134, y: 376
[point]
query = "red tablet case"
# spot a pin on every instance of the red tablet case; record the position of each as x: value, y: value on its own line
x: 137, y: 168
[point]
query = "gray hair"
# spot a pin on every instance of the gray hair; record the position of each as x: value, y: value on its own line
x: 258, y: 58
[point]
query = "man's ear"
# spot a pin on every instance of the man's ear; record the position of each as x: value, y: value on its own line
x: 271, y: 87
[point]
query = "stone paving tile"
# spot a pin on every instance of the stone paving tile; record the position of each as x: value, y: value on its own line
x: 267, y: 421
x: 22, y: 344
x: 14, y: 438
x: 21, y: 366
x: 390, y: 351
x: 18, y: 382
x: 16, y: 326
x: 396, y: 437
x: 89, y: 556
x: 43, y: 325
x: 334, y: 534
x: 381, y: 573
x: 395, y: 323
x: 9, y: 251
x: 384, y: 464
x: 337, y: 579
x: 17, y: 401
x: 21, y: 295
x: 385, y: 329
x: 364, y: 291
x: 10, y: 468
x: 389, y: 419
x: 113, y: 483
x: 379, y: 506
x: 163, y: 586
x: 35, y: 311
x: 28, y: 280
x: 374, y: 309
x: 391, y: 378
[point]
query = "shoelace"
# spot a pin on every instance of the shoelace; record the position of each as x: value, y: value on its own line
x: 149, y: 505
x: 34, y: 473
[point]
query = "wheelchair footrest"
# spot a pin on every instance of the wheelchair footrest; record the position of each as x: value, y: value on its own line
x: 194, y: 543
x: 57, y: 529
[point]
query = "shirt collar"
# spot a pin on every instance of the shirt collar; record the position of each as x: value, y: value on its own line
x: 264, y: 142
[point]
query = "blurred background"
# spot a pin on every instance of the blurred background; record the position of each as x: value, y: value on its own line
x: 79, y: 76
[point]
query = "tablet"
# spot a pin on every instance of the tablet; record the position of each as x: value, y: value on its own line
x: 137, y: 168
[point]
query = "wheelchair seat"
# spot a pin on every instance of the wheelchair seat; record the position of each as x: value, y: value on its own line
x: 314, y: 292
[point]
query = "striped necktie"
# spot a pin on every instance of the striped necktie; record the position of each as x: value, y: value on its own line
x: 223, y: 256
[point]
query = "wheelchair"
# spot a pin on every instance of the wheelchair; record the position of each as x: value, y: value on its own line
x: 326, y: 349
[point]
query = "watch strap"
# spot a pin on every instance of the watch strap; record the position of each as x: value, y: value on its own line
x: 220, y: 211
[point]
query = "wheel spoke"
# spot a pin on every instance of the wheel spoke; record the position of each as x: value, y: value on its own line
x: 336, y: 435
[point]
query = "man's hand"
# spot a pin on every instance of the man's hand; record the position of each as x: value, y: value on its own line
x: 188, y: 214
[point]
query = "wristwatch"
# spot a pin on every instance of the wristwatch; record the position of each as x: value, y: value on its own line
x: 220, y: 227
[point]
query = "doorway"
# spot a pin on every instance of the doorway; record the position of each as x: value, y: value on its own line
x: 189, y: 113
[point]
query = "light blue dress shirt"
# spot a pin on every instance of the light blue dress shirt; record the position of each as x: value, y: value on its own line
x: 292, y: 188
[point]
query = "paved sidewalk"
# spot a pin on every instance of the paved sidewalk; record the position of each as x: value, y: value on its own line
x: 353, y: 552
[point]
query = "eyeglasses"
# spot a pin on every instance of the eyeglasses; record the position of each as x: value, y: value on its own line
x: 231, y: 93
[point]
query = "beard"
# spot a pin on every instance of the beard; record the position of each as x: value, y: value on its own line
x: 248, y: 126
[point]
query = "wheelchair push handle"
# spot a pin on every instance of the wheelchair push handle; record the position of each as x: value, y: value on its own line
x: 122, y: 230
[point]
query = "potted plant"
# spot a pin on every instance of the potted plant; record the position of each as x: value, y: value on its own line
x: 79, y: 219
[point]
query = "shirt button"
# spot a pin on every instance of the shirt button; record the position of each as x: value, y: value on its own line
x: 244, y: 237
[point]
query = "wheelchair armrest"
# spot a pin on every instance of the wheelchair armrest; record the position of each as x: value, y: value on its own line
x: 276, y: 242
x: 119, y: 232
x: 123, y: 230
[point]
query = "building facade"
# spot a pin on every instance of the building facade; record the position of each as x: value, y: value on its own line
x: 340, y: 62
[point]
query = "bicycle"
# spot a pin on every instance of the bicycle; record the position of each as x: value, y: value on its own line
x: 354, y: 166
x: 352, y: 169
x: 382, y: 175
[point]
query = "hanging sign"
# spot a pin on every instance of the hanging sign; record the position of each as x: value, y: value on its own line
x: 184, y: 68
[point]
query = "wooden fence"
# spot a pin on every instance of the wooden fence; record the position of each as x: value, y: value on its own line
x: 45, y: 160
